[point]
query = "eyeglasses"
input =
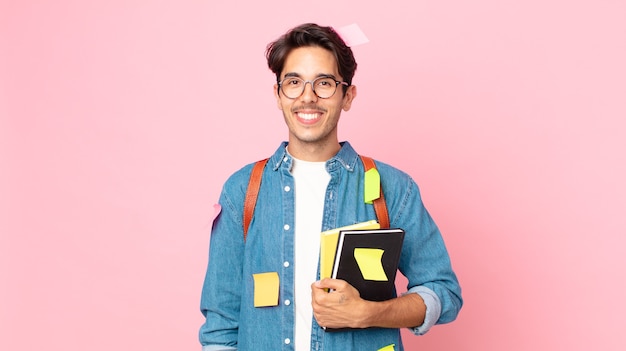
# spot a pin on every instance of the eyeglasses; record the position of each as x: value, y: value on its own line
x: 323, y: 87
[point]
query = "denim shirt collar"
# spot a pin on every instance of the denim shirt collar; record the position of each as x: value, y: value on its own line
x: 346, y: 158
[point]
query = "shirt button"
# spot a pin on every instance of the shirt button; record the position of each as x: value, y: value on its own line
x: 287, y: 188
x: 286, y: 227
x: 286, y: 159
x: 287, y: 341
x: 286, y: 264
x: 287, y: 302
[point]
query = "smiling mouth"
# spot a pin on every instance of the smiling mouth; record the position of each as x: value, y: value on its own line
x: 308, y: 116
x: 308, y: 113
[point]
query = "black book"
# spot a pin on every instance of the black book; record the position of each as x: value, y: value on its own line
x: 368, y: 259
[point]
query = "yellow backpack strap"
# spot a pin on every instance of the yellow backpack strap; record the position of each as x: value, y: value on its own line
x: 380, y: 206
x: 252, y: 193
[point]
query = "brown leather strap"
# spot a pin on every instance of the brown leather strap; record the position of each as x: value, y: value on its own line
x: 254, y: 184
x: 252, y: 194
x: 380, y: 206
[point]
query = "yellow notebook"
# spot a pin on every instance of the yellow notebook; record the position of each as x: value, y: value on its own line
x: 328, y: 245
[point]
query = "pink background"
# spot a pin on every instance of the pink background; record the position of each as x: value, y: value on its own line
x: 120, y: 120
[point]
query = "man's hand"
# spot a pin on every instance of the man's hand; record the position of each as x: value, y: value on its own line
x: 340, y: 308
x: 344, y: 308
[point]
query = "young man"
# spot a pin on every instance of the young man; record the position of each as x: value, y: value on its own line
x: 310, y: 184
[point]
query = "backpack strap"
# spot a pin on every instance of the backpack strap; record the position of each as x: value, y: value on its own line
x: 252, y: 194
x: 380, y: 206
x: 254, y: 184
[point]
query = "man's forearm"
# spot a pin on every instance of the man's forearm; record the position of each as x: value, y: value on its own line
x: 406, y: 311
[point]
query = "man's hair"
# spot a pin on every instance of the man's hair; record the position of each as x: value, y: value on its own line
x: 311, y: 34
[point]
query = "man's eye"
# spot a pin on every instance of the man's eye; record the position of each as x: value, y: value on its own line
x: 325, y: 83
x: 293, y: 82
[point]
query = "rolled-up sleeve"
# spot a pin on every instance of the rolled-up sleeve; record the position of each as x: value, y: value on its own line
x: 433, y: 309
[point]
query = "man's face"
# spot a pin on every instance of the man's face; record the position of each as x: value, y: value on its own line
x: 312, y: 121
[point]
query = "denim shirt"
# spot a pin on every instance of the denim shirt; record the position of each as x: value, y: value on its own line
x: 232, y: 321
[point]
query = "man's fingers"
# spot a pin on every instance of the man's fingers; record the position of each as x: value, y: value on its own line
x: 328, y: 283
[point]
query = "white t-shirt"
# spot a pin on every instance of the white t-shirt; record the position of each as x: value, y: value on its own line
x: 311, y: 180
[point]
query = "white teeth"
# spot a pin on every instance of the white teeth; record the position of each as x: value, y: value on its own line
x: 307, y: 116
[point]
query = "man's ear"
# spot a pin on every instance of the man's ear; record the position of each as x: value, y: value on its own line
x: 277, y: 96
x: 349, y: 97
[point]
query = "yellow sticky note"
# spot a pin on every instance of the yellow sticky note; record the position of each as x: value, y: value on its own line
x: 328, y: 245
x: 371, y: 185
x: 388, y: 348
x: 370, y: 263
x: 266, y: 289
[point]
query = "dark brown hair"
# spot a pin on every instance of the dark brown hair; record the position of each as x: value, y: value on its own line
x: 311, y: 34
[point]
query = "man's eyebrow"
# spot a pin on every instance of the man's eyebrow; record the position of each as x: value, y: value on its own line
x: 326, y: 75
x: 321, y: 75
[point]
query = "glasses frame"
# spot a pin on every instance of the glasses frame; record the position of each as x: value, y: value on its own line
x: 338, y: 82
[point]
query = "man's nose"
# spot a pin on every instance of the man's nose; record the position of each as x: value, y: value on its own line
x: 308, y: 94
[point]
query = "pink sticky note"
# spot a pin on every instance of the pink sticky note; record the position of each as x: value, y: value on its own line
x: 352, y: 35
x: 216, y: 211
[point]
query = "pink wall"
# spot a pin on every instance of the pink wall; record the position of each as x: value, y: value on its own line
x: 119, y: 121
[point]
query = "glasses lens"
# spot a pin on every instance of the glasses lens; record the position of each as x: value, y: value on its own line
x: 292, y: 87
x: 323, y: 87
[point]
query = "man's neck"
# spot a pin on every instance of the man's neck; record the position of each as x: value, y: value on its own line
x: 313, y: 152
